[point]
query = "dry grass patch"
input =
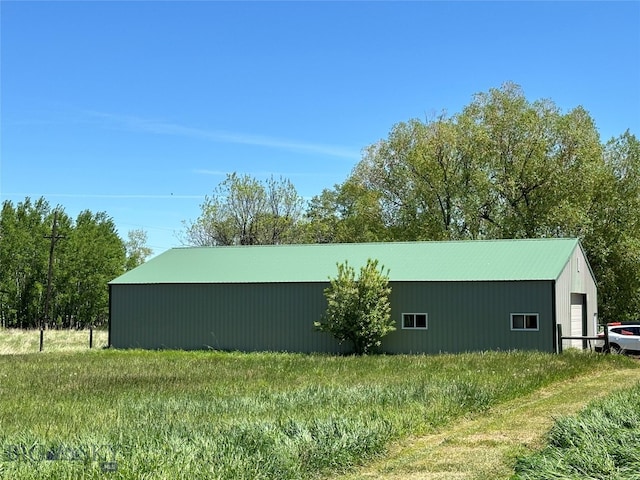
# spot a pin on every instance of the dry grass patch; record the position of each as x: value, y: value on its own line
x: 16, y: 341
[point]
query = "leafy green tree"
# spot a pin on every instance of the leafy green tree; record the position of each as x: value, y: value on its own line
x: 245, y: 211
x: 612, y: 238
x: 136, y: 249
x: 503, y: 168
x: 362, y: 216
x: 322, y: 217
x: 24, y: 261
x: 358, y: 309
x: 347, y: 213
x: 87, y: 255
x: 539, y: 165
x: 421, y: 178
x: 91, y: 256
x: 283, y: 211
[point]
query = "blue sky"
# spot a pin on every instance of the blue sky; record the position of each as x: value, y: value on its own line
x: 140, y: 109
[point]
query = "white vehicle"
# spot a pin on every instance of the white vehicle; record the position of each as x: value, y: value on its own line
x: 624, y: 337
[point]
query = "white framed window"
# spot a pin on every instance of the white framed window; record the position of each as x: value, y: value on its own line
x: 415, y: 321
x: 524, y: 321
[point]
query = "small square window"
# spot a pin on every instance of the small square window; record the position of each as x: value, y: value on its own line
x: 524, y: 321
x: 414, y: 320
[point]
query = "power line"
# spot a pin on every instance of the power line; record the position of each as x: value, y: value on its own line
x: 54, y: 237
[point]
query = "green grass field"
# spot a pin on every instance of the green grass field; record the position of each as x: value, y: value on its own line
x: 601, y: 442
x: 173, y: 415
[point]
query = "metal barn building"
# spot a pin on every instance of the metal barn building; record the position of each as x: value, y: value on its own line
x: 446, y: 296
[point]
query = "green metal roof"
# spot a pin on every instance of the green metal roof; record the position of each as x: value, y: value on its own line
x: 493, y: 260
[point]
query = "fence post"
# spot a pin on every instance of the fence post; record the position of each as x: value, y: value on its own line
x: 559, y: 329
x: 607, y: 347
x: 91, y: 337
x: 41, y: 338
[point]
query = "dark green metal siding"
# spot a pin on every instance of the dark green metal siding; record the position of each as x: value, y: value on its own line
x: 463, y: 316
x: 266, y: 317
x: 471, y: 316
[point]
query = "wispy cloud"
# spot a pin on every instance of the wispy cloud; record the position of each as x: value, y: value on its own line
x: 159, y: 127
x: 100, y: 195
x: 215, y: 173
x: 221, y: 173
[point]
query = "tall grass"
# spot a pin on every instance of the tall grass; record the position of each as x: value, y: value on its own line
x: 216, y: 415
x: 16, y: 341
x: 602, y: 442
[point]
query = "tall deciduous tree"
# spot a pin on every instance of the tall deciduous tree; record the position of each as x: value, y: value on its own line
x: 136, y: 248
x: 23, y: 260
x: 245, y: 211
x: 347, y: 213
x: 322, y: 218
x: 87, y: 256
x: 612, y: 238
x: 91, y: 256
x: 358, y: 309
x: 540, y: 165
x: 504, y: 167
x: 422, y: 179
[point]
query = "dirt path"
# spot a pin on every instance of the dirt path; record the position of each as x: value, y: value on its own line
x: 486, y: 447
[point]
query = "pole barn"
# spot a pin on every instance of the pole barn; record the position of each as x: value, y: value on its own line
x: 446, y: 296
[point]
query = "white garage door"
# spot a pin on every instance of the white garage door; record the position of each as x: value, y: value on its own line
x: 576, y: 325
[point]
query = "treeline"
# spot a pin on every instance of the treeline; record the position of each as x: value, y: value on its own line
x: 504, y: 167
x: 87, y: 253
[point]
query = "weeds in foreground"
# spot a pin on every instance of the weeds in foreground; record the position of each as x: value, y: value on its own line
x: 216, y: 415
x: 602, y: 442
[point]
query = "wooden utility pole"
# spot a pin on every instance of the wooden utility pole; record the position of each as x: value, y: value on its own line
x: 54, y: 238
